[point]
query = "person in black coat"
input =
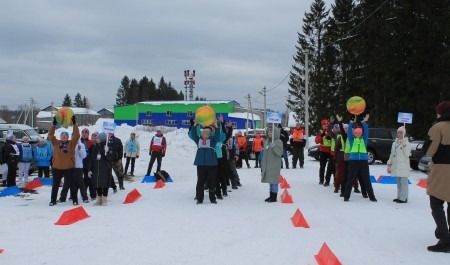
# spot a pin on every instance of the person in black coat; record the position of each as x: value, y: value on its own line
x: 10, y: 155
x: 284, y: 137
x: 102, y: 156
x: 117, y: 146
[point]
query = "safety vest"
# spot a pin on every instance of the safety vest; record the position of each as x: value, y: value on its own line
x: 333, y: 143
x: 347, y: 147
x: 325, y: 141
x: 358, y: 146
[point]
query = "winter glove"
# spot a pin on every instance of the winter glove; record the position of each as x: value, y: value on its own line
x: 272, y: 145
x: 124, y: 155
x: 191, y: 122
x: 137, y: 156
x: 389, y: 169
x: 54, y: 121
x: 150, y: 153
x: 163, y: 154
x: 106, y: 149
x: 74, y: 121
x: 90, y: 174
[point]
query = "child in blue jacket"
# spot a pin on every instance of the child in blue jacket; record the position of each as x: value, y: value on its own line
x: 43, y: 155
x: 26, y: 155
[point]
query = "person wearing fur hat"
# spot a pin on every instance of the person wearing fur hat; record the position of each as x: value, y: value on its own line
x: 270, y: 163
x: 100, y: 168
x: 63, y: 160
x: 398, y: 164
x: 438, y: 148
x: 10, y: 155
x: 26, y: 155
x: 358, y: 164
x: 324, y: 140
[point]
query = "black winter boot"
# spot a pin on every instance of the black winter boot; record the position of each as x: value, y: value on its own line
x: 273, y: 197
x: 268, y: 199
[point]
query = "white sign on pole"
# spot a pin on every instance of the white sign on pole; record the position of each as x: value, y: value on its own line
x: 274, y: 117
x: 109, y: 127
x: 405, y: 117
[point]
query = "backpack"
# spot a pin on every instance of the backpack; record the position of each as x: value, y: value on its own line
x: 163, y: 175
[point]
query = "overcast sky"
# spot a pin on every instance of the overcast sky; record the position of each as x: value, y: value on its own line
x: 50, y: 48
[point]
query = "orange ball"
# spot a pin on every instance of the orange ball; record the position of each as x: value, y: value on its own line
x: 64, y: 116
x: 356, y: 105
x: 205, y: 115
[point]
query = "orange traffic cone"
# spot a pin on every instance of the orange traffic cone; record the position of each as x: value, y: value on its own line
x: 423, y: 183
x: 326, y: 256
x: 1, y: 251
x: 32, y: 185
x: 72, y: 216
x: 159, y: 184
x: 286, y: 197
x: 284, y: 184
x: 281, y: 179
x: 132, y: 196
x: 298, y: 220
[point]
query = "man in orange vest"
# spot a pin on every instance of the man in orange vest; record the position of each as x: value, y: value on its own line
x: 298, y: 145
x: 242, y: 143
x: 257, y: 146
x: 324, y: 140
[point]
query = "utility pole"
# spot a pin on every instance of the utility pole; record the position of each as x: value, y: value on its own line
x: 307, y: 99
x: 248, y: 109
x: 287, y: 112
x: 32, y: 112
x: 264, y: 93
x: 251, y: 111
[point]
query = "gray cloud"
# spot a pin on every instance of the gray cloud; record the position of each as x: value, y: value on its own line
x: 50, y: 48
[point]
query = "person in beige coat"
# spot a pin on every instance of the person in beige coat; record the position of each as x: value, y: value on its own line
x: 437, y: 147
x: 398, y: 164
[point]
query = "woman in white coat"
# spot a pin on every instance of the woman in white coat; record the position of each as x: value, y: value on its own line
x: 398, y: 164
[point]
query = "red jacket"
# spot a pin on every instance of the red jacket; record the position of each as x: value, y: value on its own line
x: 158, y: 144
x: 257, y: 144
x: 324, y: 140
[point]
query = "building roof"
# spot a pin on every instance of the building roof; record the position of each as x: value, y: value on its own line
x: 186, y: 102
x: 243, y: 115
x: 76, y: 111
x: 105, y: 109
x: 2, y: 120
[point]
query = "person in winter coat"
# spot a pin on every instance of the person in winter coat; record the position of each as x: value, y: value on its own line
x: 102, y: 157
x: 398, y: 164
x: 270, y: 163
x: 43, y: 155
x: 78, y: 181
x: 26, y: 156
x: 298, y: 146
x: 284, y: 137
x: 117, y: 146
x: 87, y: 144
x: 257, y: 146
x: 438, y: 148
x: 324, y: 140
x: 242, y: 143
x: 233, y: 156
x: 158, y: 146
x: 11, y: 156
x: 131, y: 152
x: 205, y: 159
x: 63, y: 159
x: 358, y: 160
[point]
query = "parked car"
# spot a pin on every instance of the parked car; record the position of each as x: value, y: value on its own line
x: 424, y: 164
x: 314, y: 151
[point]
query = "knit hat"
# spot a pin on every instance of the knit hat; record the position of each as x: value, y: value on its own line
x: 357, y: 130
x: 345, y: 126
x: 336, y: 126
x: 102, y: 137
x: 442, y: 107
x: 85, y: 130
x: 324, y: 122
x: 402, y: 128
x: 280, y: 126
x: 64, y: 133
x: 94, y: 134
x: 11, y: 137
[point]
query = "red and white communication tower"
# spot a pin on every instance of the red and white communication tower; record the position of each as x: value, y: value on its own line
x: 189, y: 84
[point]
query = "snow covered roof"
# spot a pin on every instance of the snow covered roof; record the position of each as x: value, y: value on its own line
x: 243, y: 115
x: 186, y: 102
x: 2, y: 120
x: 76, y: 111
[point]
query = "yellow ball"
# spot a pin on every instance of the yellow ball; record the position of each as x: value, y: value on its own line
x: 64, y: 116
x: 205, y: 115
x: 356, y: 105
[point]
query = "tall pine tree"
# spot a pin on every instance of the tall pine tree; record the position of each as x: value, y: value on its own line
x: 121, y: 95
x: 78, y: 101
x: 67, y: 102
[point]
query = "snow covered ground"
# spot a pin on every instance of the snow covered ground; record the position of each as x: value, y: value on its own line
x: 166, y: 226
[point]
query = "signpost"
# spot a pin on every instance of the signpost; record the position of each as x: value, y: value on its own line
x: 273, y: 117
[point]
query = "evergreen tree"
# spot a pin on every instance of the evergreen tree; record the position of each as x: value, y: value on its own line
x: 85, y: 103
x: 67, y: 102
x: 132, y: 93
x: 78, y: 101
x: 144, y: 89
x: 121, y: 95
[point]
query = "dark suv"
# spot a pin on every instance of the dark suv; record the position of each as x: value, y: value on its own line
x: 380, y: 143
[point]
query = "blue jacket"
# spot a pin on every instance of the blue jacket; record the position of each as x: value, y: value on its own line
x: 26, y: 152
x: 206, y: 154
x: 43, y: 154
x: 351, y: 138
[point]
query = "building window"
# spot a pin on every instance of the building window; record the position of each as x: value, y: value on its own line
x: 149, y: 113
x: 171, y: 122
x: 186, y: 122
x: 169, y: 113
x: 234, y: 124
x: 190, y: 113
x: 146, y: 122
